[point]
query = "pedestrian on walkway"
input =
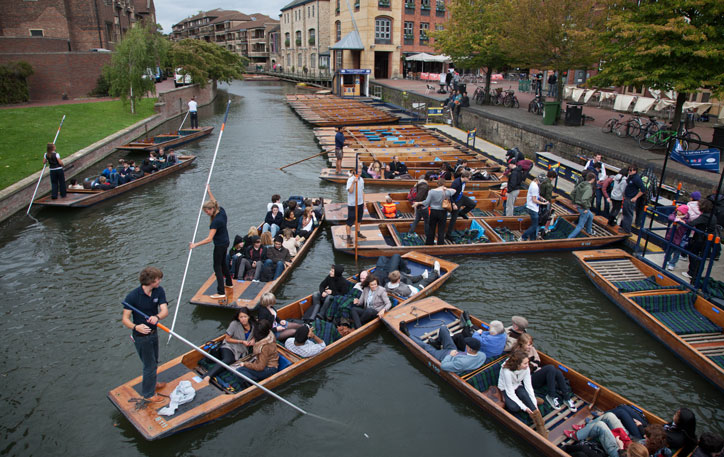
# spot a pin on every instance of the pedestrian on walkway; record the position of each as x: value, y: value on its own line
x: 582, y: 195
x: 57, y: 176
x: 635, y: 190
x: 194, y: 113
x: 552, y: 85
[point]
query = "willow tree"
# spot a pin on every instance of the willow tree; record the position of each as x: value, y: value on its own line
x: 667, y: 45
x: 139, y: 49
x: 472, y: 37
x: 206, y: 61
x: 553, y: 34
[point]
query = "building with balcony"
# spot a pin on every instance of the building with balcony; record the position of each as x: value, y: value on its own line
x: 305, y: 36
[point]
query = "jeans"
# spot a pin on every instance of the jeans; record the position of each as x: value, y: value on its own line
x: 420, y: 213
x: 194, y: 119
x: 279, y: 267
x: 599, y: 429
x: 465, y: 205
x: 522, y: 394
x: 257, y: 375
x: 553, y: 379
x: 245, y: 264
x: 585, y: 218
x: 438, y: 218
x: 599, y: 199
x: 114, y: 179
x: 273, y: 228
x: 57, y: 183
x: 447, y: 344
x: 626, y: 414
x: 221, y: 268
x: 147, y: 348
x: 532, y: 232
x: 510, y: 203
x: 628, y: 212
x: 615, y: 208
x: 361, y: 316
x: 386, y: 265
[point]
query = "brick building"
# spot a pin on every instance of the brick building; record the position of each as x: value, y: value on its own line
x: 305, y: 35
x: 419, y: 18
x: 60, y: 39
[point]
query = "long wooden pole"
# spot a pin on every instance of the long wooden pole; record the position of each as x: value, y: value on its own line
x: 198, y: 218
x: 35, y: 192
x: 300, y: 161
x: 183, y: 122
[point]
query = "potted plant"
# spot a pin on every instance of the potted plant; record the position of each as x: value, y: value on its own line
x: 286, y: 43
x: 299, y: 41
x: 311, y: 41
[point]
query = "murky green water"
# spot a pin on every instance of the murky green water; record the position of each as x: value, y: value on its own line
x: 63, y: 277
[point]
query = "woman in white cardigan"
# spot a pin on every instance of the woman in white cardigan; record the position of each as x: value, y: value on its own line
x: 517, y: 389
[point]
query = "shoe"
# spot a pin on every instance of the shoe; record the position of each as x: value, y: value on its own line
x: 425, y: 274
x: 577, y: 427
x: 156, y: 399
x: 434, y: 342
x: 572, y: 406
x: 670, y: 267
x: 360, y: 236
x: 403, y: 328
x: 686, y: 274
x: 571, y: 434
x: 554, y: 402
x: 217, y: 296
x: 254, y: 280
x: 160, y: 385
x: 436, y: 267
x: 465, y: 319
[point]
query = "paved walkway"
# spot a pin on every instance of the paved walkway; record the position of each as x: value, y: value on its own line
x: 588, y: 136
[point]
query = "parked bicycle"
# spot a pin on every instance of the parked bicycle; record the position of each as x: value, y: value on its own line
x: 631, y: 127
x: 510, y: 100
x: 610, y: 124
x: 536, y: 106
x: 657, y: 138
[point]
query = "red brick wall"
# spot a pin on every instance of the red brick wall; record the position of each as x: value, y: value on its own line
x: 22, y: 45
x: 58, y: 73
x: 48, y: 15
x: 433, y: 19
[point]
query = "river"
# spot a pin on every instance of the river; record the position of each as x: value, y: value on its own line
x: 63, y: 277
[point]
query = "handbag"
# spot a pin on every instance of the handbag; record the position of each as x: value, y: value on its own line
x: 447, y: 204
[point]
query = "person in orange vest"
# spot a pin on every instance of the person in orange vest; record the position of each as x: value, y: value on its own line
x: 389, y: 209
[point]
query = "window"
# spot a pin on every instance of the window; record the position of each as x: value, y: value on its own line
x: 383, y: 3
x: 36, y: 32
x: 383, y: 30
x: 312, y: 37
x: 425, y: 5
x: 312, y: 10
x: 287, y: 40
x: 410, y: 5
x: 439, y: 27
x: 338, y: 30
x: 312, y: 60
x: 409, y: 31
x: 424, y: 27
x: 440, y: 5
x: 299, y: 38
x: 336, y: 11
x: 338, y: 60
x: 299, y: 60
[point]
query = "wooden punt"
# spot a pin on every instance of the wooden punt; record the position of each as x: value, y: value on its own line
x: 213, y: 402
x: 330, y: 174
x: 420, y: 164
x: 480, y: 385
x: 330, y: 110
x: 247, y: 293
x: 386, y: 136
x: 686, y: 323
x: 390, y: 238
x: 167, y: 140
x: 82, y: 198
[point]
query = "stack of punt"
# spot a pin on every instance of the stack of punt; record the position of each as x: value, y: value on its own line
x: 685, y: 322
x: 330, y: 110
x: 478, y: 235
x: 331, y: 175
x: 168, y: 140
x: 421, y: 320
x: 81, y: 198
x: 246, y: 293
x: 224, y: 394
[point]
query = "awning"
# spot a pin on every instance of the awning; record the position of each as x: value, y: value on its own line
x: 351, y: 41
x: 425, y: 57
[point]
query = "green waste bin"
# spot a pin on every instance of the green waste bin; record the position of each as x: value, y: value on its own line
x: 550, y: 112
x: 524, y: 85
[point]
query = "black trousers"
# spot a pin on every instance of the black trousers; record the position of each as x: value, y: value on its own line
x: 361, y: 316
x: 438, y: 218
x: 194, y: 119
x: 57, y: 183
x: 221, y: 268
x: 553, y: 379
x: 227, y: 357
x: 465, y: 205
x: 615, y: 209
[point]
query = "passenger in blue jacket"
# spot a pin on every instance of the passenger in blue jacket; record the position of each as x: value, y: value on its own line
x: 273, y: 221
x: 450, y: 358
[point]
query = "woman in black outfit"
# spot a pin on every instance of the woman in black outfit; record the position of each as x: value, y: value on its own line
x: 220, y: 236
x: 333, y: 285
x: 681, y: 433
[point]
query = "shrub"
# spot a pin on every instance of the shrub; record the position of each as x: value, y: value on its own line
x: 102, y: 87
x: 14, y: 82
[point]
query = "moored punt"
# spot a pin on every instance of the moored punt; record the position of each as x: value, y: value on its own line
x: 481, y: 385
x: 247, y: 293
x: 330, y: 110
x: 81, y: 198
x: 215, y: 399
x: 418, y: 164
x: 498, y: 235
x: 167, y: 140
x: 682, y: 320
x: 385, y: 136
x: 330, y: 174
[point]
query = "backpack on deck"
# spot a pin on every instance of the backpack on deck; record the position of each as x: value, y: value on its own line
x: 412, y: 194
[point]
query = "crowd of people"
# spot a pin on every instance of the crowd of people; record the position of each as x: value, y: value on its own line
x: 127, y: 170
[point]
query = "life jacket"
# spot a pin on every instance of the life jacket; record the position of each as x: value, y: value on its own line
x: 389, y: 210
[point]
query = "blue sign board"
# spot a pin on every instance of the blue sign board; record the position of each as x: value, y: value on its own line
x: 702, y: 159
x: 354, y: 72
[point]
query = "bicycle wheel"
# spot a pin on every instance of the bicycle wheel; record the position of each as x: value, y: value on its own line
x: 620, y: 129
x: 532, y: 107
x: 516, y: 104
x: 634, y: 129
x: 608, y: 126
x: 651, y: 139
x: 508, y: 102
x: 691, y: 141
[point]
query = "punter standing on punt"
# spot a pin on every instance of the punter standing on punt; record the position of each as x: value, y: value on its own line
x: 194, y: 112
x: 149, y: 298
x: 220, y: 236
x: 338, y: 148
x: 57, y: 176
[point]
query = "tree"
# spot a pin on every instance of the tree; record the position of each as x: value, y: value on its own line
x: 141, y: 48
x: 472, y: 37
x: 14, y: 82
x: 206, y: 61
x: 666, y: 44
x: 553, y: 34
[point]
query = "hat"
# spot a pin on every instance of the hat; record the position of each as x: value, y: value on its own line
x: 683, y: 208
x: 472, y: 343
x: 520, y: 322
x: 542, y: 177
x: 696, y: 195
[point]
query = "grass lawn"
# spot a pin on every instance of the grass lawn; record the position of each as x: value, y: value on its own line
x: 25, y: 132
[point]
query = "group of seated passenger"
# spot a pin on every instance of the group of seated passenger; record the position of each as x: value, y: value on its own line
x: 161, y: 160
x: 299, y: 222
x: 392, y: 170
x: 127, y: 171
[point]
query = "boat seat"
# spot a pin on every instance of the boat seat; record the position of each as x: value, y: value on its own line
x: 642, y: 284
x: 677, y: 312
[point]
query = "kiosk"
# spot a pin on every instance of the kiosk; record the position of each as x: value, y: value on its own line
x: 351, y: 83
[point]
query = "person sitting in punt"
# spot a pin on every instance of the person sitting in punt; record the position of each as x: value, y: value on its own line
x: 267, y: 240
x: 492, y: 341
x: 363, y: 171
x: 266, y: 358
x: 396, y: 286
x: 235, y: 255
x: 161, y: 159
x: 250, y: 234
x: 125, y: 173
x: 74, y: 184
x: 517, y: 389
x: 111, y: 174
x: 681, y: 432
x: 332, y: 286
x: 375, y: 169
x: 606, y: 429
x: 291, y: 242
x: 452, y: 360
x: 253, y: 259
x: 389, y: 209
x: 265, y: 310
x: 307, y: 223
x: 277, y: 257
x: 137, y: 172
x: 548, y: 376
x: 237, y: 340
x: 710, y: 445
x: 655, y: 441
x: 153, y: 160
x: 517, y: 328
x: 273, y: 221
x: 276, y: 200
x: 396, y: 169
x: 632, y: 419
x: 171, y: 159
x: 290, y: 220
x: 147, y: 167
x: 305, y: 343
x: 292, y: 205
x: 103, y: 184
x: 373, y: 303
x: 317, y: 206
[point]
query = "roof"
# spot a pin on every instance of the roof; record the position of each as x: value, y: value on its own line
x: 261, y: 21
x: 296, y: 3
x: 218, y: 15
x: 350, y: 41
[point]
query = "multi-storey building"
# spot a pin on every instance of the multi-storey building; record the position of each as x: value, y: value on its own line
x: 305, y: 36
x: 420, y: 17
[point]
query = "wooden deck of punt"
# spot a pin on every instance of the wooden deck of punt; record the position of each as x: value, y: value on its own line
x: 330, y: 174
x: 82, y: 198
x: 247, y: 293
x: 702, y: 350
x: 211, y: 402
x: 419, y: 164
x: 588, y: 395
x: 385, y: 238
x: 167, y: 140
x: 329, y: 110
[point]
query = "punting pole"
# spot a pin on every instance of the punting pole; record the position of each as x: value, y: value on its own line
x: 43, y: 170
x: 198, y: 218
x: 183, y: 122
x: 300, y: 161
x: 209, y: 356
